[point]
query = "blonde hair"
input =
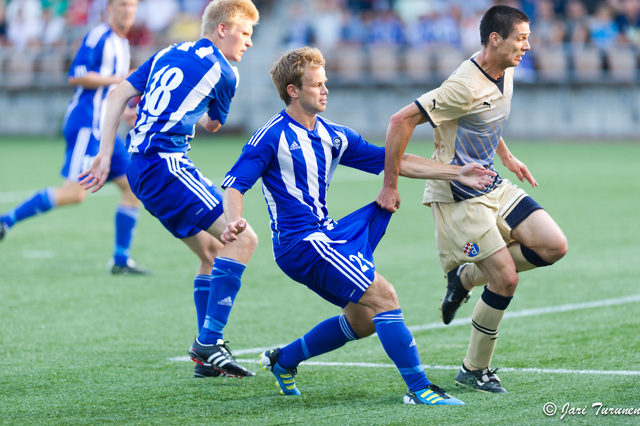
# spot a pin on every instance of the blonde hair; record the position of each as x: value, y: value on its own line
x: 227, y: 12
x: 290, y: 68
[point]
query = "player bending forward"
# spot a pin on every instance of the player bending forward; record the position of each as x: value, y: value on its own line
x: 296, y: 154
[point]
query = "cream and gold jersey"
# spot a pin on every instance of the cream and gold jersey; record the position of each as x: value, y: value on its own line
x: 468, y: 112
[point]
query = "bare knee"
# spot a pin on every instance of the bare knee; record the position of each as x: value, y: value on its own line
x: 557, y: 249
x: 128, y: 198
x: 248, y: 240
x: 360, y: 319
x: 71, y: 193
x: 206, y: 248
x: 506, y: 284
x: 380, y: 296
x: 207, y: 257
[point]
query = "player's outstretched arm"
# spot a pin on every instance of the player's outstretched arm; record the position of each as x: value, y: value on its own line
x: 514, y: 165
x: 96, y: 175
x: 233, y: 205
x: 473, y: 175
x: 401, y: 127
x: 93, y: 80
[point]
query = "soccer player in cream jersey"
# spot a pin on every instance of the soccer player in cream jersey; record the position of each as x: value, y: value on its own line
x: 185, y: 84
x: 485, y: 236
x: 295, y: 155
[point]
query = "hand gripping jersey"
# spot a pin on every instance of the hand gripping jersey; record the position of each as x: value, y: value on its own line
x: 468, y: 112
x: 105, y: 52
x: 180, y: 84
x: 296, y: 166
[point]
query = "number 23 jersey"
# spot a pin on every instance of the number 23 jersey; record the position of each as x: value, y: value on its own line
x: 180, y: 84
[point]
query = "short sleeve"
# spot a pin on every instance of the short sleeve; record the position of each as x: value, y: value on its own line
x: 87, y: 59
x: 450, y: 101
x: 223, y: 93
x: 361, y: 154
x: 249, y: 167
x: 139, y: 77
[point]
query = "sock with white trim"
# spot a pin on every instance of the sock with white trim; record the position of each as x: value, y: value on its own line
x: 225, y: 285
x: 401, y: 347
x: 325, y: 337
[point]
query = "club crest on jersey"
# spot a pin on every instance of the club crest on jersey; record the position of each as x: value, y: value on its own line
x: 337, y: 143
x: 471, y: 249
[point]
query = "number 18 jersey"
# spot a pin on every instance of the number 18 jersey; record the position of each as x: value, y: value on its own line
x: 180, y: 84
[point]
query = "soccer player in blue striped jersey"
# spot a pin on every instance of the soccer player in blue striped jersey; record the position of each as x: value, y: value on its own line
x: 296, y: 154
x: 185, y: 84
x: 483, y: 235
x: 101, y: 63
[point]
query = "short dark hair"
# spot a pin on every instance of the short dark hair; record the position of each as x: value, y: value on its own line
x: 500, y: 19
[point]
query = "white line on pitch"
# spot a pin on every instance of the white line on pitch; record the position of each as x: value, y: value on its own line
x: 463, y: 321
x: 447, y: 367
x: 538, y: 311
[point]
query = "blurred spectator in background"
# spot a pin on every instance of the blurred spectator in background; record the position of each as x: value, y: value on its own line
x: 353, y: 29
x: 327, y: 23
x: 420, y: 32
x: 194, y: 7
x: 3, y: 23
x: 439, y: 28
x: 24, y: 23
x: 53, y: 28
x: 385, y: 28
x: 357, y: 6
x: 158, y: 16
x: 58, y: 7
x: 603, y: 32
x: 628, y: 21
x: 576, y: 23
x: 186, y: 27
x: 97, y: 12
x: 446, y: 27
x: 78, y: 12
x: 469, y: 34
x: 299, y: 31
x: 547, y: 28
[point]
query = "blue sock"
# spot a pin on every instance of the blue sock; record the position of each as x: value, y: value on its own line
x: 201, y: 289
x: 40, y: 202
x: 400, y: 345
x: 126, y: 221
x: 325, y: 337
x: 225, y: 285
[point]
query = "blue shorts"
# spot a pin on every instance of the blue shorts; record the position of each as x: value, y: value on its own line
x: 172, y: 189
x: 83, y: 146
x: 338, y: 263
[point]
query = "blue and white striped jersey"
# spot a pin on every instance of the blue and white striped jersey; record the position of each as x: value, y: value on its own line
x: 179, y: 84
x: 296, y: 167
x: 105, y: 52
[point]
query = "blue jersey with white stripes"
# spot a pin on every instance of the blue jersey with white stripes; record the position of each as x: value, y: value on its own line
x: 180, y: 84
x: 105, y: 52
x: 296, y: 166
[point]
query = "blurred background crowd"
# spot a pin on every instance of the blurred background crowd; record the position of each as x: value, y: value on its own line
x: 33, y: 23
x: 380, y: 39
